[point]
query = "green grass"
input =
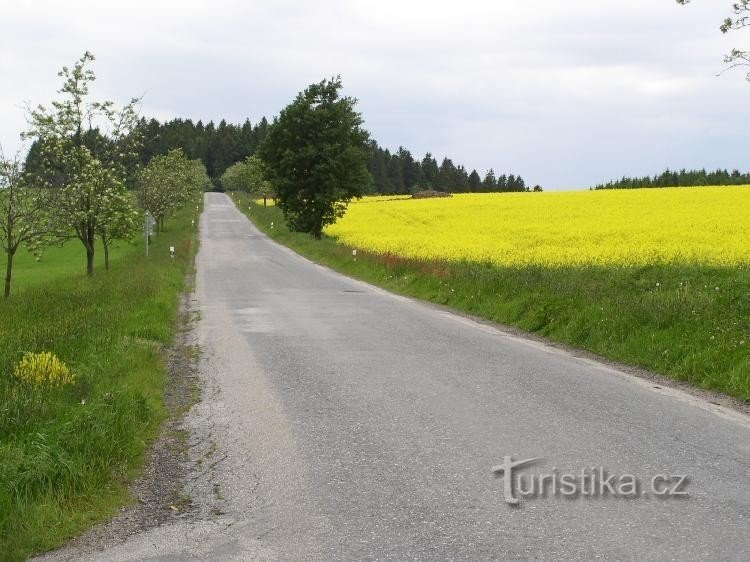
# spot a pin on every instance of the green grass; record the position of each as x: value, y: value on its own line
x: 58, y: 261
x: 66, y: 455
x: 670, y: 319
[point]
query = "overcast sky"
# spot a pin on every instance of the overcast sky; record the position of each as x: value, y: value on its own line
x: 566, y: 94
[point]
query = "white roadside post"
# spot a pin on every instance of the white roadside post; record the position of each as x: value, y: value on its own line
x: 171, y: 252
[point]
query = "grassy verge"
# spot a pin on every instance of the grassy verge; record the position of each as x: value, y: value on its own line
x: 689, y: 323
x: 66, y: 454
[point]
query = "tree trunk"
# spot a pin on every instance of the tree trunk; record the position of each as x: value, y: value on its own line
x: 8, y: 273
x: 89, y: 242
x: 89, y: 260
x: 106, y: 255
x: 264, y: 200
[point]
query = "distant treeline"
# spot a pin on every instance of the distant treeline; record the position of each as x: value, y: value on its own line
x: 683, y: 178
x: 220, y: 146
x: 401, y: 173
x: 217, y: 146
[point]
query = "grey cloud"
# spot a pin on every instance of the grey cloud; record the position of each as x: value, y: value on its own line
x: 565, y: 93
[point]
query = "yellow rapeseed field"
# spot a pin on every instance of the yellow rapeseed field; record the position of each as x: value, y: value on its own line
x: 706, y: 225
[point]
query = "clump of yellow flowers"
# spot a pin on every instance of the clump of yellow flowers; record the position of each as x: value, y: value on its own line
x: 44, y: 369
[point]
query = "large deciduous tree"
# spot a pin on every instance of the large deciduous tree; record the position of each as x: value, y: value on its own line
x: 85, y: 150
x: 23, y: 214
x: 316, y: 154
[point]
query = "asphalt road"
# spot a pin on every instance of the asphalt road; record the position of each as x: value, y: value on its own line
x: 342, y: 422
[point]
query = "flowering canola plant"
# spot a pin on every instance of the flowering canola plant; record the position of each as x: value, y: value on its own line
x: 702, y: 225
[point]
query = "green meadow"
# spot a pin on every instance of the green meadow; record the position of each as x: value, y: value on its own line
x: 67, y: 454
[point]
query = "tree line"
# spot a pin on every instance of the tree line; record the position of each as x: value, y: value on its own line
x: 681, y: 178
x: 221, y: 146
x: 401, y: 173
x: 217, y: 146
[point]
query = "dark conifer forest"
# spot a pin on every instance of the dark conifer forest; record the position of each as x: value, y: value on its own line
x: 220, y: 146
x: 682, y: 178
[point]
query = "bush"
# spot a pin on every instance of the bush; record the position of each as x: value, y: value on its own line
x: 44, y: 369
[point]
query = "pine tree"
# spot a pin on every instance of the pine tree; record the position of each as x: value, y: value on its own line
x: 475, y: 182
x: 395, y: 175
x: 430, y: 171
x: 446, y: 179
x: 502, y: 183
x: 489, y: 183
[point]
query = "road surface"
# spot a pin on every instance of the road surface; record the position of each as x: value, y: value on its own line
x: 341, y: 422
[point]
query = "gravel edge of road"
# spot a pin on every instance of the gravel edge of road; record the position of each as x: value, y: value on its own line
x: 158, y: 492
